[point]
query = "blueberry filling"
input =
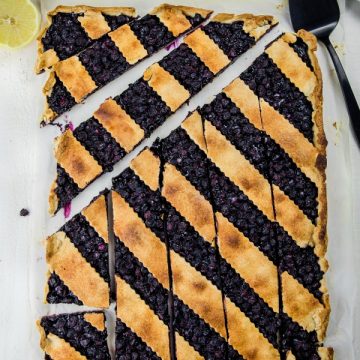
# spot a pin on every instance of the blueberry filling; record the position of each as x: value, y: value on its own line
x: 103, y: 61
x: 101, y: 145
x: 65, y: 35
x: 80, y: 334
x: 60, y: 100
x: 263, y: 152
x: 65, y: 189
x: 184, y: 240
x: 195, y: 20
x: 47, y: 357
x: 115, y: 21
x: 228, y: 119
x: 153, y: 34
x: 58, y: 292
x: 267, y: 81
x: 301, y: 48
x: 301, y: 343
x: 231, y: 38
x: 129, y: 346
x: 301, y: 263
x: 187, y: 68
x: 92, y: 247
x: 144, y: 106
x: 200, y: 335
x: 130, y: 269
x: 284, y: 173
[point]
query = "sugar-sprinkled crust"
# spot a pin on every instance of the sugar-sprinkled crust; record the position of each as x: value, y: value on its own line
x: 91, y: 19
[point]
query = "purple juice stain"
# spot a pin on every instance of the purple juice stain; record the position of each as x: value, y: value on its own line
x: 67, y: 210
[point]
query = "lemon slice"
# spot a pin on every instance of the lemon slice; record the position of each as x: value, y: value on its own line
x: 19, y: 22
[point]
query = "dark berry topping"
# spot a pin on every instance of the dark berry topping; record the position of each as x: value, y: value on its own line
x: 24, y: 212
x: 301, y: 262
x: 231, y: 38
x: 187, y: 68
x: 60, y: 100
x: 58, y: 292
x: 268, y: 82
x: 129, y: 346
x: 152, y: 33
x: 66, y: 188
x: 130, y: 269
x: 144, y: 106
x: 284, y: 173
x: 228, y: 119
x: 195, y: 20
x: 101, y: 145
x: 200, y: 335
x: 80, y: 334
x: 65, y: 35
x: 92, y: 247
x: 104, y: 61
x: 301, y: 48
x: 115, y: 21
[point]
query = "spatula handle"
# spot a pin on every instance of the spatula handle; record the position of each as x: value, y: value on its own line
x: 351, y: 103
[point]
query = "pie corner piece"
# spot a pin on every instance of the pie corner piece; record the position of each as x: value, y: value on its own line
x: 74, y: 336
x: 77, y: 257
x: 88, y: 22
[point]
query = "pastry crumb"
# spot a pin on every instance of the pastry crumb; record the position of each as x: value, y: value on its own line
x: 335, y: 125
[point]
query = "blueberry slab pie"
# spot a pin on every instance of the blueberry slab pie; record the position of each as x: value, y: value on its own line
x: 76, y: 77
x: 71, y: 29
x: 78, y: 259
x: 122, y: 122
x: 75, y: 336
x: 240, y: 205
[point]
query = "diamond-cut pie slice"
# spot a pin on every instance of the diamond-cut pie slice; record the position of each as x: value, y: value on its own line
x: 120, y: 124
x: 71, y: 29
x: 78, y: 259
x: 75, y: 336
x: 76, y: 77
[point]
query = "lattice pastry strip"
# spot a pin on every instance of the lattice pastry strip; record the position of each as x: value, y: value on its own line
x: 76, y: 77
x: 71, y: 29
x: 122, y: 123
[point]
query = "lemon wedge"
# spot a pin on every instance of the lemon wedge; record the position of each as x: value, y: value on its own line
x: 19, y: 22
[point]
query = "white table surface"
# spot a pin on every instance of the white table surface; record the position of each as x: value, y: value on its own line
x: 18, y: 174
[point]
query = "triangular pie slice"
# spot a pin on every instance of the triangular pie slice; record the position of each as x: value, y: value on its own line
x: 74, y: 336
x: 75, y: 78
x: 78, y: 259
x: 71, y: 29
x: 121, y: 123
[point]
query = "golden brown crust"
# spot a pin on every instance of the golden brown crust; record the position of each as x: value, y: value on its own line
x: 94, y: 24
x: 174, y: 17
x: 166, y: 86
x: 137, y: 315
x: 252, y: 265
x: 48, y: 114
x: 207, y: 50
x: 96, y: 215
x: 53, y: 199
x: 147, y: 167
x: 189, y: 202
x: 184, y: 351
x: 140, y: 240
x: 48, y: 58
x: 119, y: 124
x: 255, y: 26
x: 72, y: 73
x: 198, y: 293
x: 79, y: 276
x: 194, y: 128
x: 97, y: 320
x: 128, y: 44
x: 75, y: 159
x: 245, y: 337
x: 324, y: 353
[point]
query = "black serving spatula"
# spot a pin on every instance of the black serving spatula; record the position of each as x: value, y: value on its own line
x: 321, y: 17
